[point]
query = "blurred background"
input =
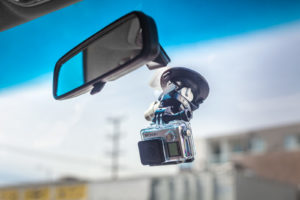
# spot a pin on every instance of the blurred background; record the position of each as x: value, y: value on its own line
x: 247, y: 132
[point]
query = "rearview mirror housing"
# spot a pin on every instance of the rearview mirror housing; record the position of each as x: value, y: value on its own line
x: 121, y: 47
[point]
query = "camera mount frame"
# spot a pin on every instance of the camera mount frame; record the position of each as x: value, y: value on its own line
x: 183, y: 91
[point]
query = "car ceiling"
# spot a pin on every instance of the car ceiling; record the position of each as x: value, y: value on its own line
x: 13, y: 13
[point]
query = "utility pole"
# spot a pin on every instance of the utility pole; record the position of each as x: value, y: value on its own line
x: 115, y: 153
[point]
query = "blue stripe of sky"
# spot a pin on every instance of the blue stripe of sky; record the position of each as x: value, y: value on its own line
x: 32, y: 49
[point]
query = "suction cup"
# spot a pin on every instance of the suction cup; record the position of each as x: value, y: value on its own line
x: 184, y: 77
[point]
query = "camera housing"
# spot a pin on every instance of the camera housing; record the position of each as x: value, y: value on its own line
x: 165, y: 144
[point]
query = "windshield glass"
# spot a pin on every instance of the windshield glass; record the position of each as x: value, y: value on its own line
x: 248, y: 52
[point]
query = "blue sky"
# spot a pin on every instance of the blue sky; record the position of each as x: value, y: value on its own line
x: 32, y: 49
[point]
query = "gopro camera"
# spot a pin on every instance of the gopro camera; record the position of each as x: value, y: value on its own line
x: 168, y: 139
x: 170, y: 143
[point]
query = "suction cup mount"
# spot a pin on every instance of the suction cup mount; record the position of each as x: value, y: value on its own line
x: 186, y: 78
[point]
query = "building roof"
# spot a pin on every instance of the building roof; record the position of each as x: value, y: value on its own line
x: 274, y: 130
x: 280, y: 166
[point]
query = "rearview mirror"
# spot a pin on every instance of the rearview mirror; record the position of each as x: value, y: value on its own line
x: 123, y: 46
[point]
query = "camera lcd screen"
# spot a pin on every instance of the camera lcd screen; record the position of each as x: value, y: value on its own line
x: 173, y: 149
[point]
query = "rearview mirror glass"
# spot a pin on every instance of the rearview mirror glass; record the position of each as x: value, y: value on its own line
x: 71, y: 75
x: 121, y: 47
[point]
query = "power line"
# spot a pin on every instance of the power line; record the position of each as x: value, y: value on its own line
x: 115, y: 153
x: 52, y: 156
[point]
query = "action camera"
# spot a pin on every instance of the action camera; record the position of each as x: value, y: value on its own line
x: 170, y: 143
x: 168, y: 139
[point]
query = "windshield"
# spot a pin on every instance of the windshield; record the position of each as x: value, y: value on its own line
x: 247, y: 50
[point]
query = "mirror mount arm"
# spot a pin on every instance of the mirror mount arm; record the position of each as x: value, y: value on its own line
x: 161, y: 60
x: 97, y: 87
